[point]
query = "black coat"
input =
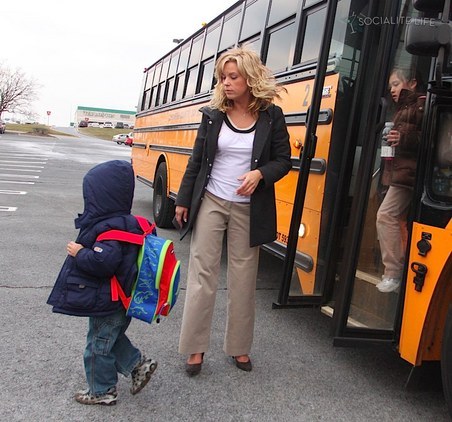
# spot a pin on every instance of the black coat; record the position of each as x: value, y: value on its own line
x: 82, y: 287
x: 271, y: 155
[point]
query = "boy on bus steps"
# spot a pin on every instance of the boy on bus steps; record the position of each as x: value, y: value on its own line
x: 83, y: 285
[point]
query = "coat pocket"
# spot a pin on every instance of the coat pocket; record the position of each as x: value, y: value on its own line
x: 81, y: 294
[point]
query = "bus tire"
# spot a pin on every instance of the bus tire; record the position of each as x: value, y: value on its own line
x: 162, y: 205
x: 446, y: 361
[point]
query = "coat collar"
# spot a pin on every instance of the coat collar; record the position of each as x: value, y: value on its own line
x: 263, y: 128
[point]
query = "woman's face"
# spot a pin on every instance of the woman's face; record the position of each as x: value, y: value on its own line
x: 397, y: 83
x: 234, y: 84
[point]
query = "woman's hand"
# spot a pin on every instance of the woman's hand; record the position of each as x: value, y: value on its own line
x: 394, y: 138
x: 73, y: 248
x: 250, y: 180
x: 181, y: 215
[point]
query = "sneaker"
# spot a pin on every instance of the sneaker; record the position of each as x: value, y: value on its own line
x: 388, y: 285
x: 142, y: 374
x: 107, y: 399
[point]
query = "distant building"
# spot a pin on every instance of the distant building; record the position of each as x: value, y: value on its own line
x: 102, y: 115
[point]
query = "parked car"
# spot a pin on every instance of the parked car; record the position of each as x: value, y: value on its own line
x: 2, y: 126
x: 129, y: 140
x: 119, y: 125
x: 83, y: 123
x: 108, y: 124
x: 93, y: 124
x: 120, y: 138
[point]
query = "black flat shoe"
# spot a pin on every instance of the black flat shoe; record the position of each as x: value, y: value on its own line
x: 193, y: 369
x: 244, y: 366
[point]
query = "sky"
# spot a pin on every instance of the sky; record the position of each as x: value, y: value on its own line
x: 93, y: 53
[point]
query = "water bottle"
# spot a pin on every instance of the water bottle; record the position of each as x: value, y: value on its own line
x: 387, y: 151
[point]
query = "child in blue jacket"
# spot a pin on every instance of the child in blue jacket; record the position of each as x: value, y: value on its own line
x: 83, y: 284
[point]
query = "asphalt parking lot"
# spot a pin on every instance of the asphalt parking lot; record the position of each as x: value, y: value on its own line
x: 297, y: 374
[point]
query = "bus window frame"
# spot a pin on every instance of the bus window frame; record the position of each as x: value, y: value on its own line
x: 275, y: 28
x: 250, y: 3
x: 237, y: 11
x: 301, y: 36
x: 201, y: 77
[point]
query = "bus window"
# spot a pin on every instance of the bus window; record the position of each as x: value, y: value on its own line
x: 309, y: 3
x: 182, y: 65
x: 173, y: 63
x: 191, y: 81
x: 279, y: 50
x: 255, y: 44
x: 255, y: 15
x: 169, y: 88
x: 146, y: 100
x: 211, y: 43
x: 280, y: 10
x: 315, y: 21
x: 164, y: 72
x: 179, y: 89
x: 230, y: 29
x: 196, y: 50
x: 441, y: 180
x: 159, y: 96
x: 207, y: 69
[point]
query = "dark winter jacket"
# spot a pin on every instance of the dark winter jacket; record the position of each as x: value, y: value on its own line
x: 271, y: 155
x: 82, y: 287
x: 407, y: 120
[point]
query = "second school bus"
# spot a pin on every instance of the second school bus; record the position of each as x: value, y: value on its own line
x: 334, y: 58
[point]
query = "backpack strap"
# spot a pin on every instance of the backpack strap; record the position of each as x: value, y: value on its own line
x: 145, y: 226
x: 122, y: 236
x: 138, y: 239
x: 117, y: 293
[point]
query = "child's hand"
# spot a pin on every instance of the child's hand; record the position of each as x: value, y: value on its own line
x: 73, y: 248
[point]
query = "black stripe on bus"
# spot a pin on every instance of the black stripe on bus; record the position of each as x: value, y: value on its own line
x: 325, y: 118
x: 302, y: 260
x: 318, y: 165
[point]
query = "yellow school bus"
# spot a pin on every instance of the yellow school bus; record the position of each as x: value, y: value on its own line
x: 338, y: 61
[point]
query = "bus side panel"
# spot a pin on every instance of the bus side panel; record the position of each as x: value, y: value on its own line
x: 425, y: 310
x: 161, y: 143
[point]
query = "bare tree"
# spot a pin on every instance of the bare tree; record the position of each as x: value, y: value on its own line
x: 17, y: 91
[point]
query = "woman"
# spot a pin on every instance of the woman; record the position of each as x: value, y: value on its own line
x: 400, y: 172
x: 241, y: 149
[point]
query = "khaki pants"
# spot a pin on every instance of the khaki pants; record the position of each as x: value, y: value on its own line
x: 392, y: 230
x: 217, y: 216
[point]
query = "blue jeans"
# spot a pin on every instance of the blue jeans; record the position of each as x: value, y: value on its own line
x: 108, y: 351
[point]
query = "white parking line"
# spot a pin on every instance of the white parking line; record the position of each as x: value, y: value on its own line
x: 17, y: 182
x: 18, y: 175
x: 12, y: 192
x: 3, y: 164
x: 3, y: 208
x: 18, y: 169
x: 23, y: 162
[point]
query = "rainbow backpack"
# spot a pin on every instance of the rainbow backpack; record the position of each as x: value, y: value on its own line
x: 156, y: 287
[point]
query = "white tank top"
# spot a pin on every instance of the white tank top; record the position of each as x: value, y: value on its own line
x: 232, y: 160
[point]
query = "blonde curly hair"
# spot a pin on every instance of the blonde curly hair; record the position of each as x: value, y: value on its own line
x: 259, y: 78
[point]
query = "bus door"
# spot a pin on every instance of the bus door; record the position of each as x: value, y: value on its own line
x: 358, y: 53
x: 371, y: 274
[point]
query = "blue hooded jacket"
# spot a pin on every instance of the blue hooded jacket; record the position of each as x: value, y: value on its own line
x: 82, y: 287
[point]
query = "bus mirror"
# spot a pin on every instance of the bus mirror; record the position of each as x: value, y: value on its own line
x: 429, y: 5
x: 424, y: 37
